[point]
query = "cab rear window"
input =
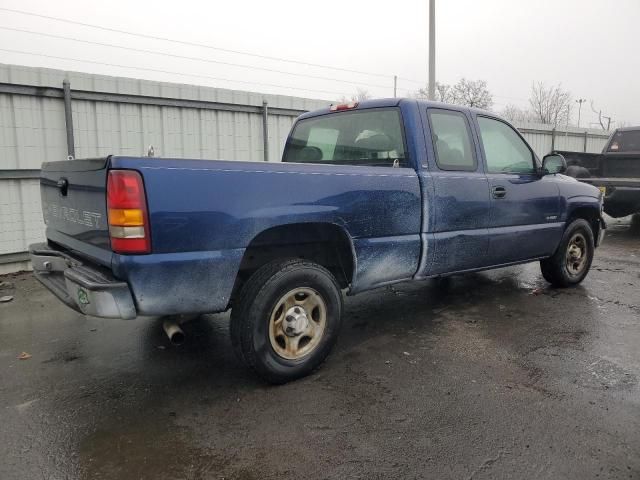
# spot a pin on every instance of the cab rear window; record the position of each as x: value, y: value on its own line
x: 627, y: 141
x: 371, y: 137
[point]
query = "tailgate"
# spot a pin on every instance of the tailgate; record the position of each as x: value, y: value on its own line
x: 74, y: 206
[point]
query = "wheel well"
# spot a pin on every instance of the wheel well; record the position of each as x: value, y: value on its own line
x: 323, y: 243
x: 589, y: 214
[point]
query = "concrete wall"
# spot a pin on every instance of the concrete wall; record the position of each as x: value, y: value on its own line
x: 114, y: 115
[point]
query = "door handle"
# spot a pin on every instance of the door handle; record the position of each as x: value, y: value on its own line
x: 499, y: 192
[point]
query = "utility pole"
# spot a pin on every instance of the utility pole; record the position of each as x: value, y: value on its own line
x: 395, y: 86
x: 580, y: 101
x: 432, y: 49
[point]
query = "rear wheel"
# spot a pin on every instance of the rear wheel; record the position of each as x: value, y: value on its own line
x: 286, y: 319
x: 571, y: 262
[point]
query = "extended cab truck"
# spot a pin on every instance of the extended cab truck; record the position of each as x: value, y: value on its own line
x: 616, y: 171
x: 366, y: 195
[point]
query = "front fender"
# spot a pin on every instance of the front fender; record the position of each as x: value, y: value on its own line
x: 590, y: 209
x: 582, y: 203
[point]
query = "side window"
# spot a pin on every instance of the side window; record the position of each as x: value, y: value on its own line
x: 371, y: 137
x: 451, y: 138
x: 504, y: 150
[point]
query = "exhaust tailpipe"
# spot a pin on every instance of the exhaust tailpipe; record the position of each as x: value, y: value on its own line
x: 173, y: 331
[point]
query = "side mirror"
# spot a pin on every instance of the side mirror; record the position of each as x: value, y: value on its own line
x: 553, y: 163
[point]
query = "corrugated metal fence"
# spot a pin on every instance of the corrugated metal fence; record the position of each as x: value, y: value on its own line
x: 544, y: 138
x: 113, y: 115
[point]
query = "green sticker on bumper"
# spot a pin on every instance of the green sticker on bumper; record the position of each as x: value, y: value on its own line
x: 83, y: 297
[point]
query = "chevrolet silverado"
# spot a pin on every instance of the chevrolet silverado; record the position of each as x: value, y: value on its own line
x: 367, y: 194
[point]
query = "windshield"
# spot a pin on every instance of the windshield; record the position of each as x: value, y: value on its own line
x: 626, y: 141
x: 369, y: 137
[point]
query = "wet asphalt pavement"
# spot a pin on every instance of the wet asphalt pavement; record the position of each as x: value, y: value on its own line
x: 490, y: 375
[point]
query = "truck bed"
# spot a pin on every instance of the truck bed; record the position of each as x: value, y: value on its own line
x: 616, y: 174
x: 204, y: 213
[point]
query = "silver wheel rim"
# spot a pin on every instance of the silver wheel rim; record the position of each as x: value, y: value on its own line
x: 297, y: 323
x: 576, y: 256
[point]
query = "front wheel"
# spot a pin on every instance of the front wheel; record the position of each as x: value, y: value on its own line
x: 286, y: 319
x: 571, y: 262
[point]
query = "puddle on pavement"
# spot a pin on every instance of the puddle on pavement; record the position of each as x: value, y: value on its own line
x: 582, y: 369
x: 153, y: 451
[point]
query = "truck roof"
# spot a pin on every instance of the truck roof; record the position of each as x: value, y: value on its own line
x: 627, y: 129
x: 394, y: 102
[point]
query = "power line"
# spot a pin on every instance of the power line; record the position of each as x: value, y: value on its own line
x: 419, y: 82
x: 211, y: 47
x: 170, y: 72
x: 198, y: 59
x: 192, y: 44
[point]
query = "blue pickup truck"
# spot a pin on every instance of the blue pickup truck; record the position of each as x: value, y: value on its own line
x: 366, y: 195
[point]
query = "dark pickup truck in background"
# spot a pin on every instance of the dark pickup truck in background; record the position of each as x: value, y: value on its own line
x: 615, y: 171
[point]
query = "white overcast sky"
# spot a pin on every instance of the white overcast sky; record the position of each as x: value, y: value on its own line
x: 588, y: 46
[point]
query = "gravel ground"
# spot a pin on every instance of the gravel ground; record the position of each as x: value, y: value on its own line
x: 491, y: 375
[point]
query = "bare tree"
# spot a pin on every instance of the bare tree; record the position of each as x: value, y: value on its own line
x: 602, y: 119
x: 360, y: 95
x: 550, y: 105
x: 444, y: 93
x: 516, y: 114
x: 472, y: 93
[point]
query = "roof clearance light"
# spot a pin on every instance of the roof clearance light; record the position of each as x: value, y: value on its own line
x: 343, y: 106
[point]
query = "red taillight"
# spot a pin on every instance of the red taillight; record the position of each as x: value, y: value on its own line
x: 343, y: 106
x: 127, y: 209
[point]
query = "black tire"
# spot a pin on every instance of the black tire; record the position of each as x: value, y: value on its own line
x: 251, y: 318
x: 556, y: 269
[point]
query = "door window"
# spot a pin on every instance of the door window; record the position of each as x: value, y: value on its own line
x: 451, y: 138
x: 504, y: 149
